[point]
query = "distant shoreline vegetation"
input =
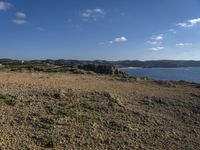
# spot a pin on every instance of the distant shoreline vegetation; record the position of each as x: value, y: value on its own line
x: 116, y: 68
x: 119, y: 64
x: 157, y: 64
x: 179, y: 68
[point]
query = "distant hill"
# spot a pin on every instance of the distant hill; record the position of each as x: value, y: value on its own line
x: 124, y: 63
x: 158, y: 63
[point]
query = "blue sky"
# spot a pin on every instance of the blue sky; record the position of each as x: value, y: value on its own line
x: 100, y: 29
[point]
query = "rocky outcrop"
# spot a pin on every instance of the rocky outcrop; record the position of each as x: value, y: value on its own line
x: 101, y: 69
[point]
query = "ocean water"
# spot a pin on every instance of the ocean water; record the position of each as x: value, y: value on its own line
x: 190, y: 74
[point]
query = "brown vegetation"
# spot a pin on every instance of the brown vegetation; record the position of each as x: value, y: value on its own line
x: 73, y: 111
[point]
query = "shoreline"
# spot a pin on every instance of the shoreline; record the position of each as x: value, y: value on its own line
x: 165, y: 74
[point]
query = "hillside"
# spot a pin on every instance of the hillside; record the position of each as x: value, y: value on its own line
x: 124, y: 63
x: 80, y: 111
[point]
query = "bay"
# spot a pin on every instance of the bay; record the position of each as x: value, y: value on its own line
x: 190, y: 74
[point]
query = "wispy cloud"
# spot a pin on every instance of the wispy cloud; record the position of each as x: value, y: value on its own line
x: 156, y: 39
x: 121, y: 39
x: 19, y: 21
x: 184, y: 44
x: 40, y: 29
x: 20, y: 15
x: 92, y: 14
x: 5, y: 5
x: 189, y: 23
x: 20, y: 18
x: 156, y: 48
x: 173, y: 31
x: 155, y: 42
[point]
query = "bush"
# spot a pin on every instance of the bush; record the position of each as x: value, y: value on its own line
x: 7, y: 100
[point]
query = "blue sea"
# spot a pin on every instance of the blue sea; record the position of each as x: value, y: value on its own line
x: 190, y: 74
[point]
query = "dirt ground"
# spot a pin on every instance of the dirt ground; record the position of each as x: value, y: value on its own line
x: 66, y: 111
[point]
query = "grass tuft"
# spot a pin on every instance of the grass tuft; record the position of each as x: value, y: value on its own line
x: 7, y: 100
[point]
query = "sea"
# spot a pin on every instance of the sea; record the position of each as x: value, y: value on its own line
x: 189, y: 74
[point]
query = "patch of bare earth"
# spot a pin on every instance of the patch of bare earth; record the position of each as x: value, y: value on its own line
x: 65, y: 111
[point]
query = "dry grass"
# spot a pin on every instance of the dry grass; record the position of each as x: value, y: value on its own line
x: 65, y: 111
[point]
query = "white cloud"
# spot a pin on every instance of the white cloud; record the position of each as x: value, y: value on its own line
x: 5, y: 5
x: 184, y: 44
x: 20, y: 18
x: 156, y: 39
x: 154, y: 42
x: 19, y: 21
x: 156, y: 48
x: 20, y: 15
x: 121, y: 39
x: 92, y: 14
x: 194, y: 21
x: 189, y: 23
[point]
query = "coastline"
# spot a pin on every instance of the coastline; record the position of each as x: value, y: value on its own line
x: 188, y: 74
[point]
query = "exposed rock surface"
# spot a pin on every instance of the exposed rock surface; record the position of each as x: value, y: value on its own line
x: 101, y: 69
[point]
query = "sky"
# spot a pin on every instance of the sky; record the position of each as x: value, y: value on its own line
x: 100, y: 29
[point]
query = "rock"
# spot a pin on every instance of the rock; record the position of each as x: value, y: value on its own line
x: 101, y: 69
x: 195, y: 95
x: 168, y: 84
x: 114, y: 125
x: 58, y: 94
x: 196, y: 110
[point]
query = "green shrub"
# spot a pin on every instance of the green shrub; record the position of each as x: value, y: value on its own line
x: 45, y: 141
x: 83, y: 119
x: 7, y: 100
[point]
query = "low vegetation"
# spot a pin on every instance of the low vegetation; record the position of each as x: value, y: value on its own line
x: 81, y: 111
x: 7, y: 100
